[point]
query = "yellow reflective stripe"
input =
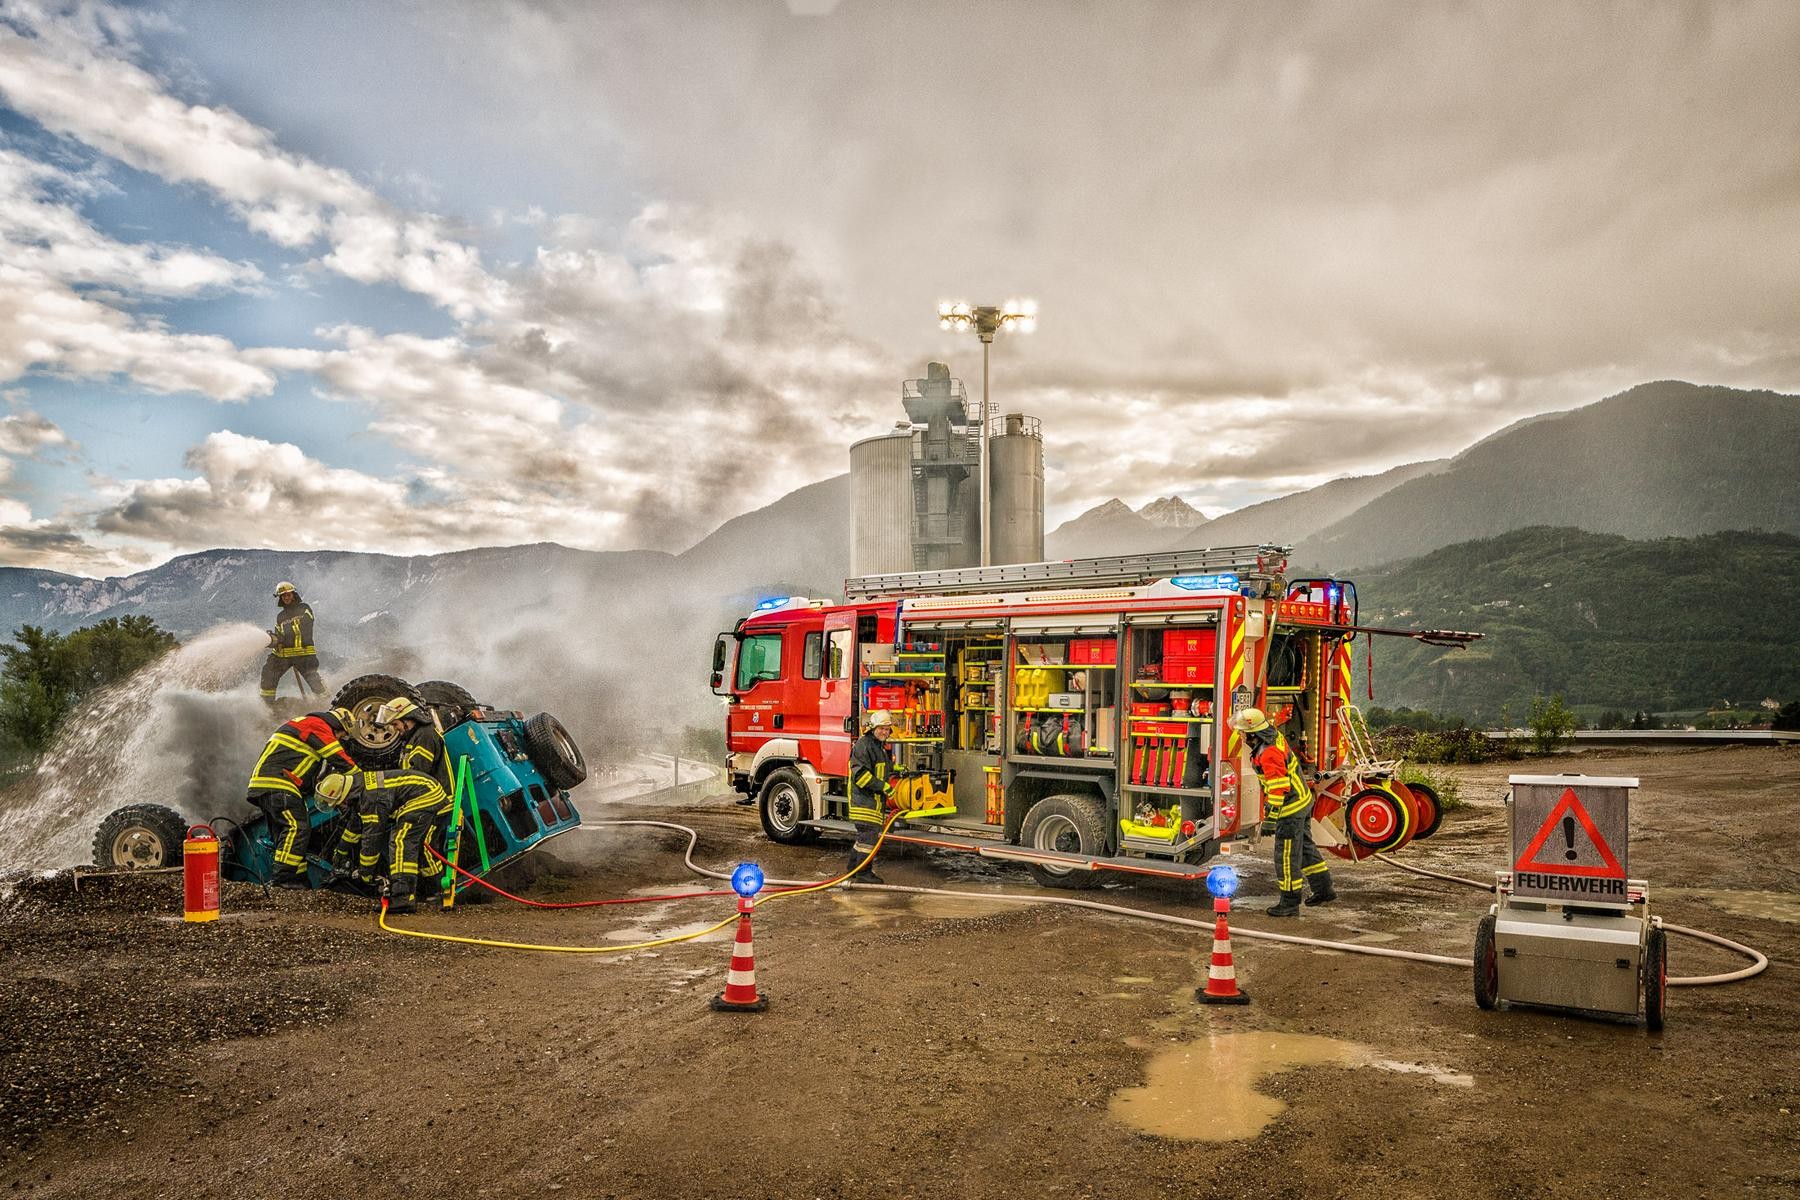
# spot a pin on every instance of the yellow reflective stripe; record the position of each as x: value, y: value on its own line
x: 295, y: 652
x: 863, y: 780
x: 272, y: 783
x: 859, y: 813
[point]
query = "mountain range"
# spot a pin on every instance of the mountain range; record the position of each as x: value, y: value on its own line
x: 625, y: 633
x: 1659, y: 460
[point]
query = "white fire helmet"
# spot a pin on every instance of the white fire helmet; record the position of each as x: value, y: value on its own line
x: 396, y: 709
x: 881, y: 719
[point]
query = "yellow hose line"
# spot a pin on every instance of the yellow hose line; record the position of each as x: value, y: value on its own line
x: 381, y: 920
x: 841, y: 879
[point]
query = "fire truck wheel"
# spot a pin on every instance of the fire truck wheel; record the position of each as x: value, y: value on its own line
x: 553, y: 752
x: 1071, y: 824
x: 1434, y: 808
x: 1487, y: 965
x: 783, y: 806
x: 373, y: 748
x: 1656, y: 979
x: 140, y: 837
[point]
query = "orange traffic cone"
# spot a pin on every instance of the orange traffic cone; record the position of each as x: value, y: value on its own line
x: 740, y: 982
x: 1221, y: 977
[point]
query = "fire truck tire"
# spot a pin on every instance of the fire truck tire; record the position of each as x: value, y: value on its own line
x: 553, y: 752
x: 1073, y: 824
x: 1378, y: 820
x: 782, y: 806
x: 450, y: 701
x: 140, y: 837
x: 1487, y: 965
x: 1656, y: 979
x: 373, y: 748
x: 1434, y: 808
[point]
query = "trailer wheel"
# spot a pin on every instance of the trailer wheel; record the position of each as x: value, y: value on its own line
x: 1656, y: 979
x: 373, y: 747
x: 1487, y: 965
x: 553, y: 752
x: 140, y: 837
x: 1378, y: 820
x: 1072, y: 824
x: 782, y: 806
x: 1434, y: 808
x: 450, y: 701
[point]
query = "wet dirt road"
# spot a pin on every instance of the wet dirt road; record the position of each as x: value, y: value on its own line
x: 914, y: 1046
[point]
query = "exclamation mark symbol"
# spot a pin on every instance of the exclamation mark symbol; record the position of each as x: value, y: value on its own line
x: 1569, y: 837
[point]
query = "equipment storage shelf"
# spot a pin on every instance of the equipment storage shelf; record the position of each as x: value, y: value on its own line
x: 1062, y: 705
x: 1167, y: 791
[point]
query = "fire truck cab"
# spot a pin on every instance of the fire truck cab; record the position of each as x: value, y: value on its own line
x: 1069, y: 716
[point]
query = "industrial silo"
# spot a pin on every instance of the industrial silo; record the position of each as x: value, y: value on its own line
x: 881, y: 503
x: 1016, y: 491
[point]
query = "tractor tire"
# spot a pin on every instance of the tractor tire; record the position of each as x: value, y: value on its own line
x: 1073, y: 824
x: 373, y: 748
x: 1656, y: 979
x: 782, y: 805
x: 1434, y: 809
x: 553, y: 752
x: 1487, y: 966
x: 450, y: 701
x: 140, y: 837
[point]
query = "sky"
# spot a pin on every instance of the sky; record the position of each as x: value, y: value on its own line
x: 411, y: 277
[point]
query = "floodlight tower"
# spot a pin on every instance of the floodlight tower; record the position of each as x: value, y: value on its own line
x: 987, y: 320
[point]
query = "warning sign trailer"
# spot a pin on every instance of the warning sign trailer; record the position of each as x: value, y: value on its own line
x: 1571, y: 929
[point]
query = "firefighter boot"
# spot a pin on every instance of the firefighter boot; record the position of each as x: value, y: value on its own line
x: 1289, y: 905
x: 867, y: 874
x: 1322, y: 891
x: 400, y: 899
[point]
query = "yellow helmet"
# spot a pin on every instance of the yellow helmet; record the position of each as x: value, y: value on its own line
x: 333, y: 788
x: 284, y: 587
x: 1249, y: 720
x: 397, y: 709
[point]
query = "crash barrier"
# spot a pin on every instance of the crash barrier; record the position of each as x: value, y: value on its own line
x: 792, y: 887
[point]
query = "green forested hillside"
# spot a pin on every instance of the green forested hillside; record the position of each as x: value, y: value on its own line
x: 1661, y: 625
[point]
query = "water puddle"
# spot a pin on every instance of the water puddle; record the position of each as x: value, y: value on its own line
x: 1206, y: 1090
x: 1771, y: 906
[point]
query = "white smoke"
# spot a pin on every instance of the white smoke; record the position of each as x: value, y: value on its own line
x: 180, y: 733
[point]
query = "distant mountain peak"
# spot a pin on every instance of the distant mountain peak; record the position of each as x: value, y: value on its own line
x: 1112, y: 508
x: 1172, y: 512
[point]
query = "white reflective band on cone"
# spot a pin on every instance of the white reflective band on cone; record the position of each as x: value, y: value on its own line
x: 741, y: 978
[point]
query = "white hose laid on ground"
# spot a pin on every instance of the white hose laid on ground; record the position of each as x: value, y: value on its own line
x: 1144, y: 914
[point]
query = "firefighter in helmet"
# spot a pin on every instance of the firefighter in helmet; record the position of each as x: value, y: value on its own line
x: 291, y: 645
x: 1289, y: 803
x: 405, y: 805
x: 871, y: 781
x: 279, y: 783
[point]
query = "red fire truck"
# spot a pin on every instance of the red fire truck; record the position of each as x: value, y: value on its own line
x: 1071, y: 716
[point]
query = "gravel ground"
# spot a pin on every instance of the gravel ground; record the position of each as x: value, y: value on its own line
x: 914, y: 1046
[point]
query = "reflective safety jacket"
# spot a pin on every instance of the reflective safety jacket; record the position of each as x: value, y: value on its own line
x: 870, y: 771
x: 1284, y: 791
x: 423, y: 753
x: 294, y: 632
x: 295, y: 749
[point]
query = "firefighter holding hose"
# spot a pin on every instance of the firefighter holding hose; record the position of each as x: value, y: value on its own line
x: 871, y: 780
x: 291, y: 645
x: 279, y: 781
x: 1289, y: 802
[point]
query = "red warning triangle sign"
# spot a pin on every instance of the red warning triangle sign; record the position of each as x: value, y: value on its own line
x: 1570, y: 806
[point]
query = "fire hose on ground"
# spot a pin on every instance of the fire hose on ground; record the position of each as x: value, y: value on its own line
x: 792, y: 887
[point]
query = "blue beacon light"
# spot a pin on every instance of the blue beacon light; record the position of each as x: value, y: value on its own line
x: 1221, y: 881
x: 747, y: 880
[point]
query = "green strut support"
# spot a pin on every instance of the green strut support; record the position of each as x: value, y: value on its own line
x: 464, y: 795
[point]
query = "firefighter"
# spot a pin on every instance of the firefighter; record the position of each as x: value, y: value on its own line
x: 421, y: 799
x: 278, y: 785
x: 871, y: 782
x: 1289, y: 802
x: 291, y: 645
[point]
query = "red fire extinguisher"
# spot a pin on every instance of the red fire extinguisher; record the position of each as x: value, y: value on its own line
x: 200, y: 874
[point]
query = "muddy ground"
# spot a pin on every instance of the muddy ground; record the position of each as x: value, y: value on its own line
x: 914, y: 1046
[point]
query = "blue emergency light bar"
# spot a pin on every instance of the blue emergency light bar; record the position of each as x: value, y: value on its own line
x: 1225, y: 582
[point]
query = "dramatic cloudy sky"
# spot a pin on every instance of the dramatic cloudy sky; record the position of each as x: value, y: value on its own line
x: 415, y: 276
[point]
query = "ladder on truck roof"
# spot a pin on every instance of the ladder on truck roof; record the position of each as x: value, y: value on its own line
x: 1121, y: 571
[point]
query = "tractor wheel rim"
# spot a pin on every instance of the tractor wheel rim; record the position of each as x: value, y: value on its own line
x: 137, y: 847
x: 366, y: 731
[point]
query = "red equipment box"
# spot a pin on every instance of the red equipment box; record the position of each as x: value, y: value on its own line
x: 1094, y: 651
x: 1148, y: 708
x: 1188, y: 644
x: 890, y: 695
